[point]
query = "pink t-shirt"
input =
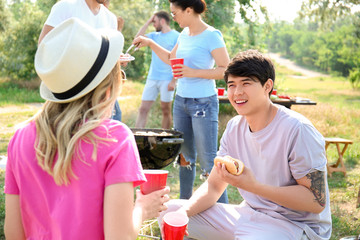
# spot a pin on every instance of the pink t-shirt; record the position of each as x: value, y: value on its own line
x: 75, y: 211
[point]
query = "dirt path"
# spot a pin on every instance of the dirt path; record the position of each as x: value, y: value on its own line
x: 21, y: 108
x: 291, y: 65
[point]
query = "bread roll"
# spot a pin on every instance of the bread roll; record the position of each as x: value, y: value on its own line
x: 233, y: 166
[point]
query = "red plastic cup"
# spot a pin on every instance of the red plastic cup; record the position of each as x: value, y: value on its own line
x: 274, y: 92
x: 221, y: 91
x: 156, y: 180
x: 175, y: 225
x: 174, y: 61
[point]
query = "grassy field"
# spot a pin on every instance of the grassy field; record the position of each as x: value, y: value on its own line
x: 337, y: 114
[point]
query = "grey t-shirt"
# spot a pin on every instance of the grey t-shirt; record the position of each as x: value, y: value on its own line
x: 287, y: 149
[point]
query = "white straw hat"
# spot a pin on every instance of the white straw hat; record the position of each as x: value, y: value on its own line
x: 73, y: 59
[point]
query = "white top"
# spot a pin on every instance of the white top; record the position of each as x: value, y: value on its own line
x: 66, y: 9
x: 287, y: 149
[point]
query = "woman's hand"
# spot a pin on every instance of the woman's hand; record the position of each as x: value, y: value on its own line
x: 123, y: 62
x: 153, y: 203
x: 180, y: 71
x: 142, y: 41
x: 183, y: 71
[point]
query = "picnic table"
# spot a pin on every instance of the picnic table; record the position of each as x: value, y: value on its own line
x: 339, y: 166
x: 284, y: 102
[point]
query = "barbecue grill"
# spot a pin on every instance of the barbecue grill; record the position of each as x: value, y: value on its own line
x: 157, y: 147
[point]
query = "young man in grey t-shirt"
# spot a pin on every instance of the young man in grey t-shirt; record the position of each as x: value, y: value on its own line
x: 284, y: 183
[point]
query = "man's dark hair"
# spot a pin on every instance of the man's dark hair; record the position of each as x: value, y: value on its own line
x: 251, y: 63
x: 164, y: 15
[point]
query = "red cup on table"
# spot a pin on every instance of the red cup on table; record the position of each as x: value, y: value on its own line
x: 156, y: 180
x: 175, y: 225
x: 274, y: 92
x: 221, y: 91
x: 173, y: 62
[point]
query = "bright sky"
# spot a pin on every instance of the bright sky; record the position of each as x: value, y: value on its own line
x: 278, y: 9
x: 282, y: 9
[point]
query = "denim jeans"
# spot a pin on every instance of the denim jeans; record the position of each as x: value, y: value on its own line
x: 197, y: 118
x: 116, y: 112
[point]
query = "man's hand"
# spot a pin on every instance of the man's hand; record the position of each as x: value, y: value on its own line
x: 181, y: 211
x: 171, y: 85
x: 246, y: 180
x: 151, y: 19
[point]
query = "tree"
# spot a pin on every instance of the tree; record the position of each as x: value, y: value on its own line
x: 249, y: 15
x: 326, y: 11
x: 218, y: 13
x: 22, y: 21
x: 19, y: 42
x: 4, y: 21
x: 221, y: 14
x: 135, y: 14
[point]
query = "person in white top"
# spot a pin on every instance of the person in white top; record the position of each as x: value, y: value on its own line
x: 92, y: 12
x: 284, y: 184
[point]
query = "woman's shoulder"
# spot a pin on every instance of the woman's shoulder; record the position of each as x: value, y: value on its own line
x: 24, y: 131
x: 213, y: 31
x: 113, y: 129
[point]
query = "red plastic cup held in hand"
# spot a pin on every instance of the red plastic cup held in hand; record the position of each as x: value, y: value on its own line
x: 221, y: 91
x: 156, y: 180
x: 175, y: 225
x: 175, y: 61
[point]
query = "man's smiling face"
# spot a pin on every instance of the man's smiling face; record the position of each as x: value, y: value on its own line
x: 246, y: 94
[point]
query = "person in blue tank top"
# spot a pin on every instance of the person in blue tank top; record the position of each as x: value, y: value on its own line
x: 196, y: 107
x: 160, y: 77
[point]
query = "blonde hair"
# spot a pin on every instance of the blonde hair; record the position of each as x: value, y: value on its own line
x: 60, y: 127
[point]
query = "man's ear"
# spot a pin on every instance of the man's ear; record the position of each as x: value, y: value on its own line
x: 269, y: 84
x: 162, y: 21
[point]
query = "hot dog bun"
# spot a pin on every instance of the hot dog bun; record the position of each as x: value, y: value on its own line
x: 233, y: 166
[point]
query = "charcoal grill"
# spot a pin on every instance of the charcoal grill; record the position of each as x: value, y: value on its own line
x: 157, y: 147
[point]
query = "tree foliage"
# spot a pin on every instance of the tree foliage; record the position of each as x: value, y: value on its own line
x: 334, y: 50
x: 4, y: 16
x: 219, y: 14
x: 326, y: 11
x: 22, y: 21
x: 18, y: 43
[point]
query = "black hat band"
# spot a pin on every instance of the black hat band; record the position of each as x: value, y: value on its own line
x: 91, y: 74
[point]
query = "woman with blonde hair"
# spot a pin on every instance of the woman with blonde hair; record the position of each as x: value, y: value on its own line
x: 71, y: 170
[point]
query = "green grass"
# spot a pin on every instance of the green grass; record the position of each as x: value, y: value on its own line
x: 337, y: 113
x: 16, y: 93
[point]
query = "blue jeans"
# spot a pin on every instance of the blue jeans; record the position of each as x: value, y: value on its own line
x: 197, y: 118
x: 116, y: 112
